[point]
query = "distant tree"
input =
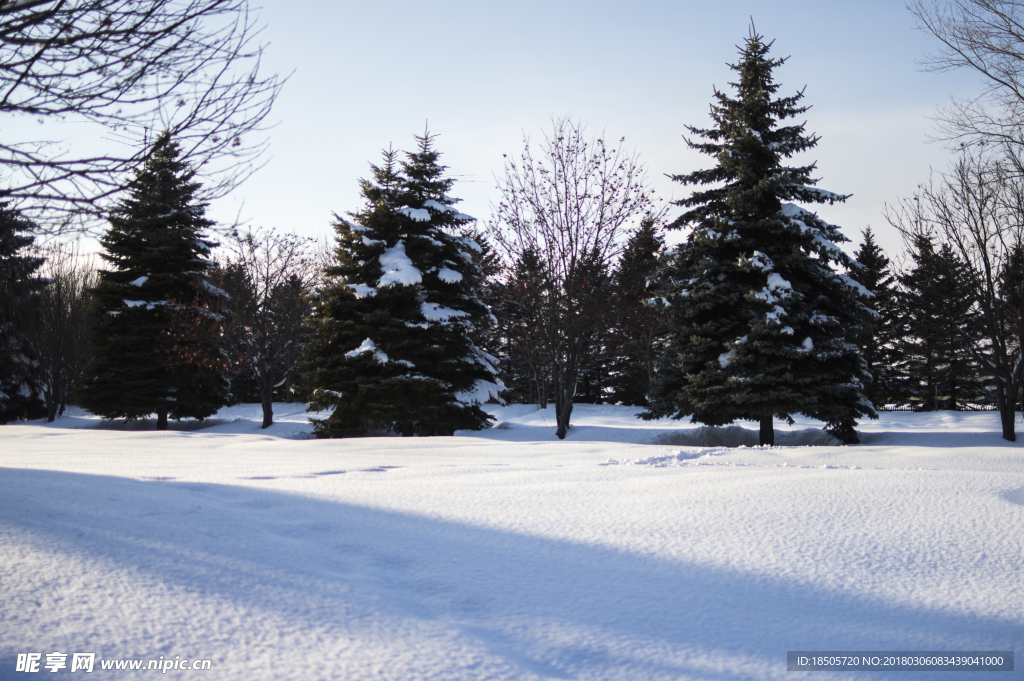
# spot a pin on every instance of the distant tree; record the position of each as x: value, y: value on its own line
x: 940, y: 329
x: 156, y: 331
x: 641, y: 323
x: 762, y: 317
x: 517, y: 301
x: 880, y: 345
x: 19, y: 308
x: 392, y: 330
x: 267, y: 277
x: 593, y: 297
x: 59, y: 334
x: 974, y: 212
x: 191, y: 67
x: 571, y: 205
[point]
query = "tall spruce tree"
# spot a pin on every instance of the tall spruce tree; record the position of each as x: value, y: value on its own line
x: 392, y: 333
x: 155, y: 337
x: 761, y: 318
x: 881, y: 342
x: 19, y: 298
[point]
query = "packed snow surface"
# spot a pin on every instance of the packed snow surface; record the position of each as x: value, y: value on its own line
x: 631, y: 550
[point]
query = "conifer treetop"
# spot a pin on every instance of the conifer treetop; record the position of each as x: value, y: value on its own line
x: 750, y: 178
x: 160, y: 223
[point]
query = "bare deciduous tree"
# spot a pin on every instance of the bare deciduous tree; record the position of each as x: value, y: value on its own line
x: 267, y: 276
x: 571, y: 205
x: 978, y: 210
x: 986, y: 36
x: 59, y: 335
x: 189, y: 67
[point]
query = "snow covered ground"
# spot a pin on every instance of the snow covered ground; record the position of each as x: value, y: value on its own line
x: 625, y: 552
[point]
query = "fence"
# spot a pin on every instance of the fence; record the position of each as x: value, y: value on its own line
x: 976, y: 407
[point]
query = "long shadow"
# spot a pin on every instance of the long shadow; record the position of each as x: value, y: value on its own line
x: 545, y: 608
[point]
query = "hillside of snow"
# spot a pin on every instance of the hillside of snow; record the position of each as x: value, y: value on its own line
x: 631, y: 550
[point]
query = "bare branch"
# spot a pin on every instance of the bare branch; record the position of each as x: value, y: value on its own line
x: 978, y: 210
x: 190, y: 67
x: 571, y: 206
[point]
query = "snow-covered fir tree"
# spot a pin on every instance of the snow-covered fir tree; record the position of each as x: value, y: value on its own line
x: 392, y: 344
x: 156, y: 332
x: 762, y: 314
x: 19, y: 298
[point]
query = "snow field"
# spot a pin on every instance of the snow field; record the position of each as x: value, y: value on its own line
x: 507, y: 554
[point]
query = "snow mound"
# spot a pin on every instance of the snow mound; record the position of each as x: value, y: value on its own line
x: 736, y: 436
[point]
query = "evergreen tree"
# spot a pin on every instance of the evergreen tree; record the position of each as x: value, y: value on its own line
x: 156, y: 332
x: 590, y: 294
x: 518, y: 302
x: 639, y: 334
x: 941, y: 370
x: 1011, y: 294
x: 761, y: 320
x: 393, y: 329
x: 880, y: 344
x: 19, y: 297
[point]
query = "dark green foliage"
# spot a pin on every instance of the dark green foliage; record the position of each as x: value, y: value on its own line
x: 941, y: 328
x: 640, y: 330
x: 761, y: 320
x: 1010, y: 302
x: 392, y: 344
x: 19, y: 299
x: 518, y: 302
x: 156, y: 333
x: 590, y: 295
x: 880, y: 346
x: 1011, y: 292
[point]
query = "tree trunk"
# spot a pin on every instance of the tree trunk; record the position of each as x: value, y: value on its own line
x: 161, y: 419
x: 565, y: 389
x: 1006, y: 402
x: 407, y: 429
x: 268, y: 405
x: 51, y: 411
x: 767, y: 434
x: 1008, y: 415
x: 562, y: 417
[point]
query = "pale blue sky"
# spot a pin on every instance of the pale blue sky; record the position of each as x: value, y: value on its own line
x: 370, y: 74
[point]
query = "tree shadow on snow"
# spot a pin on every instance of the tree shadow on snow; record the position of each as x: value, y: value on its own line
x: 547, y: 608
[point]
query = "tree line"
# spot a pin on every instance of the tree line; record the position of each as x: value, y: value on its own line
x: 421, y: 314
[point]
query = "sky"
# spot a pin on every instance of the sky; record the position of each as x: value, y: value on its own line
x: 368, y: 75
